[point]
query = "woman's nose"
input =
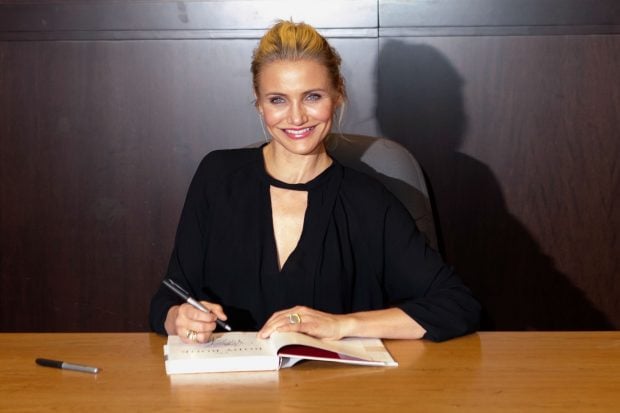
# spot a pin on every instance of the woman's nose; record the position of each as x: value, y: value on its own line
x: 297, y: 114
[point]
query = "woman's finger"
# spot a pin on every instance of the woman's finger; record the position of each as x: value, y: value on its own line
x: 215, y: 309
x: 193, y: 337
x: 189, y: 312
x: 286, y: 320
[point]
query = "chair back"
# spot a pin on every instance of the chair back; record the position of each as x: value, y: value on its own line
x: 394, y: 166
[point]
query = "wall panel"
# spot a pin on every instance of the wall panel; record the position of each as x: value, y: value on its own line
x: 512, y: 107
x: 518, y: 136
x: 106, y: 110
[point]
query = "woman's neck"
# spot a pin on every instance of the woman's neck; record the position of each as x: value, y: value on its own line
x: 293, y: 168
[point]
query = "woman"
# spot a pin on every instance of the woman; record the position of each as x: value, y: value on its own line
x: 286, y: 239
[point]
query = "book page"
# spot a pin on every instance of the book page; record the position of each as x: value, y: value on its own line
x: 244, y: 351
x: 223, y: 352
x: 235, y: 344
x: 349, y: 350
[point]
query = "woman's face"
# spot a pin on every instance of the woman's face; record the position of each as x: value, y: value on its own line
x: 297, y: 102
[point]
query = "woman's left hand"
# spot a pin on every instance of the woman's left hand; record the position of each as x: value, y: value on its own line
x: 309, y: 321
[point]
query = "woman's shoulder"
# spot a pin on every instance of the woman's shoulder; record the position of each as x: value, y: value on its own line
x: 221, y: 165
x: 366, y: 192
x: 225, y: 161
x: 231, y: 157
x: 362, y: 184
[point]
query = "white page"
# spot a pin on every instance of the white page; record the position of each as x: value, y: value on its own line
x: 237, y: 351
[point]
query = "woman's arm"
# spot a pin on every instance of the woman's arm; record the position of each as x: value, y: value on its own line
x: 185, y: 265
x: 423, y: 296
x: 419, y: 282
x: 388, y: 323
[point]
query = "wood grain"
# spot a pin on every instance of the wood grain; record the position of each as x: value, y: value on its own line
x: 486, y: 372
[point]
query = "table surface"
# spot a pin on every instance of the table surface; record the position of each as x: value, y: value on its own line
x: 484, y: 372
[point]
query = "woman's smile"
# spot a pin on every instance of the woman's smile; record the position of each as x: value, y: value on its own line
x: 299, y: 133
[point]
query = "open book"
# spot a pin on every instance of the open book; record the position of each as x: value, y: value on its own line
x: 244, y: 351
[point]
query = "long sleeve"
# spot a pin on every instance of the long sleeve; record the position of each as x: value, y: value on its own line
x: 360, y: 250
x: 185, y: 265
x: 418, y: 281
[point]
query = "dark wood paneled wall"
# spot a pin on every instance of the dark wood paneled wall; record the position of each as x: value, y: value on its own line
x: 512, y: 108
x: 519, y: 138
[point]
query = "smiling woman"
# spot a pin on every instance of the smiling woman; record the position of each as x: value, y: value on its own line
x: 297, y: 102
x: 288, y: 239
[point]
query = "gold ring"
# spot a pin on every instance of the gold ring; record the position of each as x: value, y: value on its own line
x: 192, y: 335
x: 294, y: 318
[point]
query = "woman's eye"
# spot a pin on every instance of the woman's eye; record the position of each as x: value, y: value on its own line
x: 313, y: 96
x: 276, y: 100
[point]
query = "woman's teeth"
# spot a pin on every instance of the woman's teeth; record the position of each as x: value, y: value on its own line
x: 298, y: 132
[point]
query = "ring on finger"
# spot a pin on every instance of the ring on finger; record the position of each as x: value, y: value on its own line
x: 294, y: 318
x: 192, y: 335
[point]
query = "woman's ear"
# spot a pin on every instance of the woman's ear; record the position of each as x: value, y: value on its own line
x: 259, y: 110
x: 339, y: 101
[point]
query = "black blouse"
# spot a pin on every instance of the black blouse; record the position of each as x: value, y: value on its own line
x: 359, y: 250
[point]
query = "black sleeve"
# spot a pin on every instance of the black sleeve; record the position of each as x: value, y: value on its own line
x: 419, y: 282
x: 185, y: 266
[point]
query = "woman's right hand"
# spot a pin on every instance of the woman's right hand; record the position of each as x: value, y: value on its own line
x: 182, y: 319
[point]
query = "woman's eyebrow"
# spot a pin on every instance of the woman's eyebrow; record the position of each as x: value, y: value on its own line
x: 303, y: 93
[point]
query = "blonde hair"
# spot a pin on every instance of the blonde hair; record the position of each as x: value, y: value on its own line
x: 297, y: 41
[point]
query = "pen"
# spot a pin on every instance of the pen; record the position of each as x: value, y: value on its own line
x: 178, y: 290
x: 66, y: 366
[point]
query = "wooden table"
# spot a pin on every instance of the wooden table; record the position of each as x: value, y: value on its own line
x: 485, y: 372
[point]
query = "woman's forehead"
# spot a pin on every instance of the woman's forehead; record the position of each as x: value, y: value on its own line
x: 294, y: 74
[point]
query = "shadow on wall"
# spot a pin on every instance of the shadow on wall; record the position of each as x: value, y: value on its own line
x: 421, y: 105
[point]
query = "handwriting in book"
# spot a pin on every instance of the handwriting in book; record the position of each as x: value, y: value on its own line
x: 224, y: 341
x: 226, y: 345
